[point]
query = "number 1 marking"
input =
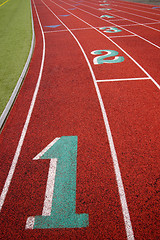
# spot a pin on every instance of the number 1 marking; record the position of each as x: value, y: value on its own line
x: 59, y: 210
x: 109, y: 53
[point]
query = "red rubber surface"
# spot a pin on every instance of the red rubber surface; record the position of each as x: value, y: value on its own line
x: 67, y: 104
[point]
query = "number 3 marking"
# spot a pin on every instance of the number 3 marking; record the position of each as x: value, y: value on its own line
x: 109, y: 53
x: 110, y: 29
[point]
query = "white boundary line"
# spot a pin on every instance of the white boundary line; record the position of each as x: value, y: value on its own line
x: 73, y: 29
x: 20, y: 80
x: 112, y: 4
x: 137, y: 24
x: 125, y: 211
x: 153, y: 13
x: 122, y: 36
x: 117, y: 24
x: 157, y: 85
x: 123, y: 79
x: 23, y: 134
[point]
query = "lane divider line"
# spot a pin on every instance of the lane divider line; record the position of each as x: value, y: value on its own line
x: 125, y: 211
x: 128, y: 55
x: 7, y: 109
x: 111, y: 22
x: 73, y: 29
x: 137, y: 24
x: 122, y: 36
x: 24, y: 131
x: 123, y: 79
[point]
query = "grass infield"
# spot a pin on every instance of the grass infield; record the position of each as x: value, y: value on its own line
x: 15, y: 42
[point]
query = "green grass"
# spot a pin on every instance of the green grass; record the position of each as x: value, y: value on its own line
x: 15, y: 42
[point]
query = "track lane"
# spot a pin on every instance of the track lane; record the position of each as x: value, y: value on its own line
x: 142, y: 204
x: 117, y: 21
x: 73, y: 120
x: 81, y: 19
x: 41, y: 127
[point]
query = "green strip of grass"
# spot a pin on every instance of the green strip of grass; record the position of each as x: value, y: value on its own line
x: 15, y: 42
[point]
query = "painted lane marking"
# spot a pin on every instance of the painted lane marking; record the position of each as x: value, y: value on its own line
x: 105, y: 4
x: 110, y: 29
x: 151, y: 12
x: 73, y: 29
x: 157, y: 85
x: 122, y: 36
x: 64, y: 15
x: 125, y: 211
x: 135, y: 14
x: 53, y: 26
x: 119, y: 20
x: 11, y: 100
x: 24, y: 131
x: 106, y: 16
x: 108, y: 53
x: 123, y: 79
x: 104, y: 9
x: 4, y: 3
x: 59, y: 210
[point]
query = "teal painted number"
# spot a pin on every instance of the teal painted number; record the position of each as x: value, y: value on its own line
x: 106, y: 16
x: 108, y: 53
x: 62, y: 210
x: 110, y: 29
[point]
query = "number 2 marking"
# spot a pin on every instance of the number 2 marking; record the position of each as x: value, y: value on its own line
x: 110, y: 29
x: 109, y: 53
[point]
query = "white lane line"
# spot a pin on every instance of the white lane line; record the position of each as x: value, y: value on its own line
x: 156, y: 21
x: 111, y: 22
x: 157, y: 85
x: 134, y: 9
x: 23, y: 134
x: 125, y: 211
x: 123, y: 79
x: 137, y: 24
x: 122, y: 36
x: 116, y: 20
x: 73, y: 29
x: 135, y: 5
x: 47, y: 207
x: 7, y: 109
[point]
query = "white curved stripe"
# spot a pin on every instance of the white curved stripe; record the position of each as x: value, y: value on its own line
x: 24, y: 131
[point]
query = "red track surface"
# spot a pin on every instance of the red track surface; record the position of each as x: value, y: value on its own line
x: 67, y: 104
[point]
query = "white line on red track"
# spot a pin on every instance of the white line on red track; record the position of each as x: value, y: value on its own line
x: 139, y: 10
x: 25, y: 127
x: 125, y: 211
x: 122, y: 18
x: 114, y: 9
x: 123, y: 36
x: 134, y: 9
x: 137, y: 24
x: 157, y: 85
x: 73, y: 29
x: 123, y: 79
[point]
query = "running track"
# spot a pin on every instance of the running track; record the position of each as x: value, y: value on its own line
x: 110, y: 102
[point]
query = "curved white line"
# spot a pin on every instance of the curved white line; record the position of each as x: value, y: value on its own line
x: 125, y: 211
x: 157, y: 85
x: 24, y: 131
x: 20, y: 80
